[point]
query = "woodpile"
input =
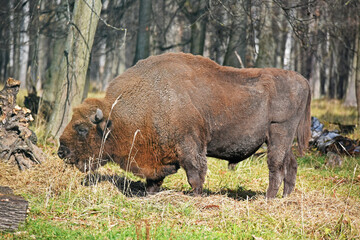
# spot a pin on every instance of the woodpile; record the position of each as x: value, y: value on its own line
x: 17, y: 141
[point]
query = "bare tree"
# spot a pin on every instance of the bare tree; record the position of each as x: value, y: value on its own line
x: 350, y: 98
x: 237, y: 36
x: 143, y: 34
x: 74, y: 63
x: 196, y: 13
x: 267, y: 45
x: 357, y: 83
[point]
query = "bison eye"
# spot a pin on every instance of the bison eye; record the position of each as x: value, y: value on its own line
x: 82, y: 130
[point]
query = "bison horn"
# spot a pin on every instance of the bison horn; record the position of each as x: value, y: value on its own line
x: 98, y: 117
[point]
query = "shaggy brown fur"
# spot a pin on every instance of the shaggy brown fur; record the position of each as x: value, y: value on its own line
x: 176, y: 109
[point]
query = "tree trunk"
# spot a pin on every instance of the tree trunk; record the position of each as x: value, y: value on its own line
x: 279, y: 28
x: 266, y: 42
x: 333, y: 71
x: 74, y: 64
x: 16, y: 42
x: 195, y: 12
x: 34, y: 34
x: 249, y: 60
x: 120, y: 54
x: 343, y: 64
x: 350, y: 97
x: 357, y: 83
x: 50, y: 76
x: 6, y: 62
x: 237, y: 40
x: 143, y: 35
x: 313, y: 65
x: 110, y: 63
x: 86, y: 85
x: 315, y: 78
x: 325, y: 66
x: 198, y: 33
x: 47, y: 58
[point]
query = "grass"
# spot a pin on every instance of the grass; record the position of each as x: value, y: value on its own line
x: 324, y: 205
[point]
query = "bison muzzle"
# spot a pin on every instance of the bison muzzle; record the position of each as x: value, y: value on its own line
x: 174, y: 110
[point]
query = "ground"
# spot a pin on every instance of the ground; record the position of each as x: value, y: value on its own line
x: 324, y: 205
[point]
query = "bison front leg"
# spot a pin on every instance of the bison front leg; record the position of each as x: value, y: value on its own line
x: 196, y: 168
x: 280, y: 158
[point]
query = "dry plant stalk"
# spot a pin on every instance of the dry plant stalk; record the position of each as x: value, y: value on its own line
x: 17, y: 141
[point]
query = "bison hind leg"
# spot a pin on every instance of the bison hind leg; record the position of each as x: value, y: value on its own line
x: 281, y: 161
x: 290, y: 173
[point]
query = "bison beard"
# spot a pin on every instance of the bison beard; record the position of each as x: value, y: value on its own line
x: 174, y: 110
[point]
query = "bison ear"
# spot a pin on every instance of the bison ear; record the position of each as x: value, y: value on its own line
x: 97, y: 117
x: 103, y: 125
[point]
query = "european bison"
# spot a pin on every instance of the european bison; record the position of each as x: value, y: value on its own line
x: 173, y: 110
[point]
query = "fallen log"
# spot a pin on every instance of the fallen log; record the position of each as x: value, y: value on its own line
x: 17, y: 141
x: 13, y: 209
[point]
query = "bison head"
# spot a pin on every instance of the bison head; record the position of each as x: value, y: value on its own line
x: 81, y: 140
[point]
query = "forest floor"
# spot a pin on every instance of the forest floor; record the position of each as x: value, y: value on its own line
x: 324, y: 205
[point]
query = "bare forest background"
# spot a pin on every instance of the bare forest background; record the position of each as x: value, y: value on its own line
x: 61, y: 49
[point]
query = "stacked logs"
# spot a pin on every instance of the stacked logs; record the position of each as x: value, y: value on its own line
x: 17, y: 141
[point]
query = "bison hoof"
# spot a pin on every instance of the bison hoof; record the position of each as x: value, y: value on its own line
x: 232, y: 166
x: 270, y: 196
x: 153, y: 186
x: 91, y: 179
x: 196, y: 192
x: 152, y: 190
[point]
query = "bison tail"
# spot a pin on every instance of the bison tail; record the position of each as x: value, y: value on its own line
x: 303, y: 130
